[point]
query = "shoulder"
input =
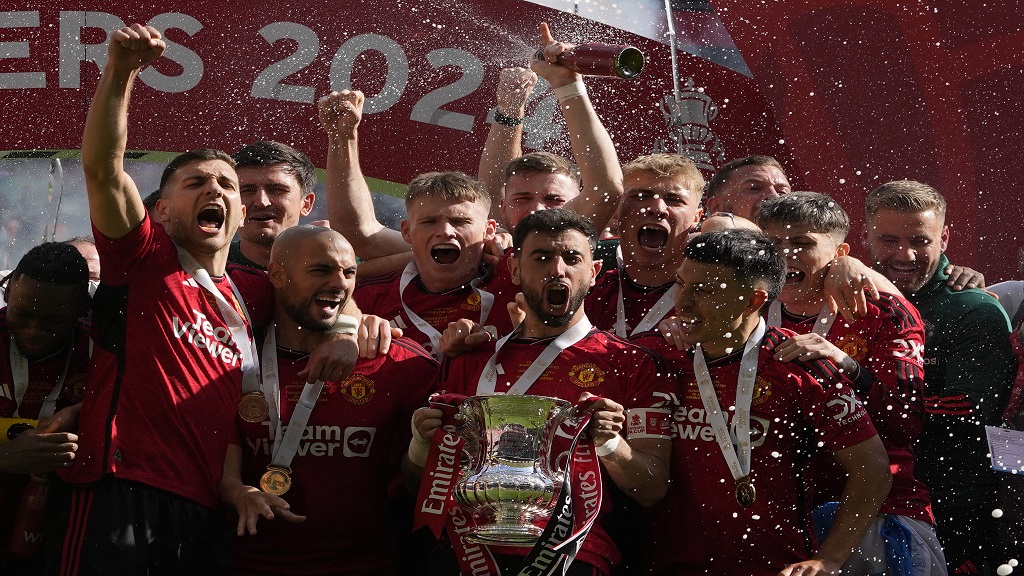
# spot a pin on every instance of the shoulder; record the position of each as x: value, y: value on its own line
x: 896, y: 307
x: 823, y: 371
x: 405, y: 349
x: 375, y: 283
x: 619, y: 350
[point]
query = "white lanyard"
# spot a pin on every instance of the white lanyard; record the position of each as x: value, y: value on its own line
x: 489, y: 377
x: 284, y: 449
x: 656, y: 314
x: 822, y: 324
x: 235, y: 322
x: 738, y: 460
x: 19, y: 374
x: 410, y: 272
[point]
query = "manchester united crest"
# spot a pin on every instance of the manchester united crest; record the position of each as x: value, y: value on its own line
x: 472, y: 302
x: 762, y: 391
x: 357, y: 389
x: 586, y: 375
x: 854, y: 346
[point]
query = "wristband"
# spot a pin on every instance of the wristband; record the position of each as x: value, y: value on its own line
x: 574, y: 90
x: 345, y: 324
x: 418, y: 451
x: 609, y: 446
x: 510, y: 121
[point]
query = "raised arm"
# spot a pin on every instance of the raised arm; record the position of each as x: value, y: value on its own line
x: 349, y: 203
x: 114, y: 202
x: 504, y: 142
x: 592, y: 147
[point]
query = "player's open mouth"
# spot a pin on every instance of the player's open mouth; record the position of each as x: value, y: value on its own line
x: 328, y: 304
x: 211, y: 218
x: 652, y: 237
x: 556, y: 296
x: 794, y: 277
x: 261, y: 217
x: 445, y: 254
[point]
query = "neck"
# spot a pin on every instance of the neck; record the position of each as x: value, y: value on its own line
x: 651, y: 276
x: 438, y: 286
x: 534, y: 327
x: 293, y: 337
x: 258, y: 253
x: 725, y: 346
x: 805, y: 307
x: 214, y: 263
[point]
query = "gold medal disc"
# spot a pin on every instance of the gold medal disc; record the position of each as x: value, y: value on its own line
x: 745, y: 492
x: 253, y: 407
x: 276, y: 480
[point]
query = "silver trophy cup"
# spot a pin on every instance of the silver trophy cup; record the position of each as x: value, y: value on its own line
x: 509, y: 476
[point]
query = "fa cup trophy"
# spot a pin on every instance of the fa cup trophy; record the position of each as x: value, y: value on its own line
x: 509, y: 474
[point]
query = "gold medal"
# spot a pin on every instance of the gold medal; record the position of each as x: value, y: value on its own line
x: 745, y: 492
x: 253, y: 407
x: 276, y: 480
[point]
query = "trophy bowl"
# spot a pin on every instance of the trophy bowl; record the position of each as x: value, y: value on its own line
x: 509, y: 477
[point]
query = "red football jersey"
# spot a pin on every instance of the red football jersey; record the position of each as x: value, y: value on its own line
x: 166, y: 376
x: 699, y: 527
x: 888, y: 343
x: 342, y: 469
x: 601, y: 364
x: 602, y: 303
x: 380, y: 296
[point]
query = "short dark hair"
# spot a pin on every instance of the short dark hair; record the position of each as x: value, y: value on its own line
x: 270, y: 153
x: 149, y: 202
x: 723, y: 173
x: 751, y: 254
x: 543, y: 163
x: 819, y: 211
x: 54, y: 263
x: 554, y: 221
x: 197, y: 155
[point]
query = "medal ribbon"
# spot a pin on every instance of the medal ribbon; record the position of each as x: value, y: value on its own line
x: 287, y: 444
x: 737, y: 460
x: 657, y: 312
x: 235, y: 321
x: 822, y: 324
x: 19, y: 376
x: 489, y: 377
x: 410, y: 272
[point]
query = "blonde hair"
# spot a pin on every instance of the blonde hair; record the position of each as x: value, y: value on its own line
x: 905, y: 196
x: 668, y: 165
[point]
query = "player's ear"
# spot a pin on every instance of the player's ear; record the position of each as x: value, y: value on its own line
x: 758, y: 299
x: 513, y: 266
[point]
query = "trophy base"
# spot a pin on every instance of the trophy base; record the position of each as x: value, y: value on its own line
x: 505, y: 535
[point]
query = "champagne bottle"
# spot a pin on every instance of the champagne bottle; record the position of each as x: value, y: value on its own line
x: 607, y: 60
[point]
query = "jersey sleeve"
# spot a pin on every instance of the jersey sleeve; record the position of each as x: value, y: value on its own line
x: 648, y: 405
x: 892, y: 377
x: 117, y: 256
x: 835, y: 413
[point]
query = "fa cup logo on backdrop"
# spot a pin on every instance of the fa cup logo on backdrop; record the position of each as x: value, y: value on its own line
x: 689, y: 127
